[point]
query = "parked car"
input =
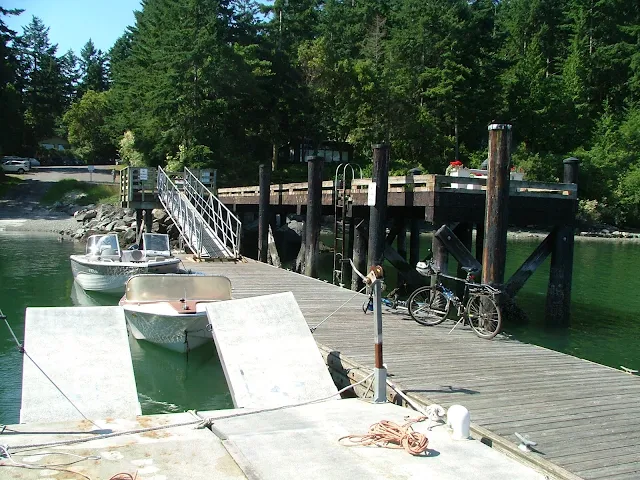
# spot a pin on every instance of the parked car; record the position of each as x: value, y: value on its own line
x: 33, y: 162
x: 18, y: 166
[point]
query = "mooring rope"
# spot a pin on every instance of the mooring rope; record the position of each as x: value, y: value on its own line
x: 22, y: 350
x: 391, y: 435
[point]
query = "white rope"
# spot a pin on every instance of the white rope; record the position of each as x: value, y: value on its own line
x: 313, y: 329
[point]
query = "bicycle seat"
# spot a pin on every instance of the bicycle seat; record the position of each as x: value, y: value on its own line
x: 470, y: 269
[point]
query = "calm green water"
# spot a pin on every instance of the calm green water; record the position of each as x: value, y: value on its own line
x: 35, y: 272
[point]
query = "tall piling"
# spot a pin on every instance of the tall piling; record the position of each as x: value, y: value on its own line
x: 378, y: 205
x: 359, y: 254
x: 558, y: 305
x: 314, y: 214
x: 414, y: 242
x: 495, y: 224
x: 263, y: 212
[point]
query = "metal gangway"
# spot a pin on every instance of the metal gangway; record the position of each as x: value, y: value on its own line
x: 208, y: 227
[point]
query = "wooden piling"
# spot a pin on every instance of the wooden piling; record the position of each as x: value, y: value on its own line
x: 440, y: 255
x: 359, y: 254
x: 148, y: 220
x: 263, y: 213
x: 414, y: 242
x: 479, y: 241
x: 495, y: 224
x: 139, y: 213
x: 378, y: 211
x: 401, y: 244
x: 558, y: 305
x: 314, y: 214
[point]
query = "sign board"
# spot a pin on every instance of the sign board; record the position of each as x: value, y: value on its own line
x: 144, y: 174
x: 371, y: 194
x: 205, y: 176
x: 91, y: 168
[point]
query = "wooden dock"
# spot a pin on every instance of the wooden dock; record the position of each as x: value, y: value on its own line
x: 584, y: 416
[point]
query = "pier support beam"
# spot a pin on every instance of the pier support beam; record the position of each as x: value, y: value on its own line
x: 148, y: 220
x: 378, y: 211
x: 359, y: 254
x: 440, y: 255
x: 464, y: 232
x: 314, y: 213
x: 558, y: 306
x: 414, y: 242
x: 495, y: 224
x: 401, y: 245
x: 263, y: 212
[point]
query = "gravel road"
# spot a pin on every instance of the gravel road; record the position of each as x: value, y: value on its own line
x: 21, y: 210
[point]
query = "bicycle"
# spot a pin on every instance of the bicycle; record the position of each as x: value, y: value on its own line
x: 390, y: 301
x: 431, y: 305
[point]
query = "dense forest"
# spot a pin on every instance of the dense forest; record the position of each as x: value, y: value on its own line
x: 229, y: 84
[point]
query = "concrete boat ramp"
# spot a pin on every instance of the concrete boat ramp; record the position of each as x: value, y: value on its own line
x: 281, y: 432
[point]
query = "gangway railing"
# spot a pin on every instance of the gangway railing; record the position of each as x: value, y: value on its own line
x: 209, y: 228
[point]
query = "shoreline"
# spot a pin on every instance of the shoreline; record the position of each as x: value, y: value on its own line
x: 43, y: 220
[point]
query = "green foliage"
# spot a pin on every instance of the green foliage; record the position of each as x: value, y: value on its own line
x: 129, y: 155
x: 93, y: 193
x: 85, y: 120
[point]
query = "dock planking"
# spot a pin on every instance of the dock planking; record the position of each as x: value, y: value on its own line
x: 584, y: 416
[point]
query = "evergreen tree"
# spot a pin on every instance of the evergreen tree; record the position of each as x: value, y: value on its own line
x: 93, y: 69
x: 10, y: 98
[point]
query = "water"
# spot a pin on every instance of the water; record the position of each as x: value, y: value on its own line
x: 35, y: 271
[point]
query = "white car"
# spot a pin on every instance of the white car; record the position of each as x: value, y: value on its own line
x: 18, y: 166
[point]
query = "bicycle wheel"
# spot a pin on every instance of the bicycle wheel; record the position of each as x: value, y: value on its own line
x: 428, y: 306
x: 484, y: 316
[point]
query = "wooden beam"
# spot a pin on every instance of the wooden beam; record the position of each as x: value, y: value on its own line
x: 530, y: 265
x: 456, y: 248
x: 403, y: 267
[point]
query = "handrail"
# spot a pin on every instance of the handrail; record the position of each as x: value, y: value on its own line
x: 209, y: 228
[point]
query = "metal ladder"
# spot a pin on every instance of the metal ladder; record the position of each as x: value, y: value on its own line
x: 345, y: 174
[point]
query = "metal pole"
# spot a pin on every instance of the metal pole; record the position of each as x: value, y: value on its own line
x: 374, y: 278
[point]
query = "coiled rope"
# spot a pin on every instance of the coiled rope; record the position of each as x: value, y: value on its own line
x: 388, y: 434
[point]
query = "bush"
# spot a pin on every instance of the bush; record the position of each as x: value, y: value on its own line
x: 93, y: 193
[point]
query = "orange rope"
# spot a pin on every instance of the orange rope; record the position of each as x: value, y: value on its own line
x: 391, y: 435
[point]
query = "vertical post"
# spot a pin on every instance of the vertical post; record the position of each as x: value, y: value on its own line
x: 378, y: 211
x: 479, y: 241
x: 440, y: 255
x: 314, y: 211
x: 558, y: 305
x: 495, y: 221
x: 148, y: 220
x: 263, y: 212
x: 359, y: 252
x: 414, y: 242
x: 138, y: 223
x: 401, y: 244
x: 379, y: 372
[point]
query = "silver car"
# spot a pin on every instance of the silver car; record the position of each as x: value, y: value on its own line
x: 17, y: 166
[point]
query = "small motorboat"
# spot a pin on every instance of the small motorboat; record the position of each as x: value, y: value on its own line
x: 169, y: 310
x: 106, y: 268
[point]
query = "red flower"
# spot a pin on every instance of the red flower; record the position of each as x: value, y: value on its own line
x: 456, y: 163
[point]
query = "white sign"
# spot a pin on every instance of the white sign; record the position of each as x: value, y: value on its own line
x: 144, y: 174
x: 91, y: 168
x: 371, y: 194
x: 205, y: 177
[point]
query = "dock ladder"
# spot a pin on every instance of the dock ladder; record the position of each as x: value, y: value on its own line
x: 345, y: 174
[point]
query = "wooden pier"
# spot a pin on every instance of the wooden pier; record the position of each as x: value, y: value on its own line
x: 584, y: 416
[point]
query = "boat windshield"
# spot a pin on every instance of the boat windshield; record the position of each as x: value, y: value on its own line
x: 156, y: 244
x: 103, y: 245
x: 172, y: 287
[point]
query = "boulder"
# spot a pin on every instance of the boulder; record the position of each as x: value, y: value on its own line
x: 129, y: 235
x: 159, y: 215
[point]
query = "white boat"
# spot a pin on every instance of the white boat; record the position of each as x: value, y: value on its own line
x: 169, y: 310
x: 106, y: 268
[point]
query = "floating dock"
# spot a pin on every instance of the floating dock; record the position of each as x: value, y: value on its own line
x: 85, y: 352
x: 584, y: 416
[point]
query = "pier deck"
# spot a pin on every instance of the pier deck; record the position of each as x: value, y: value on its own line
x: 584, y: 416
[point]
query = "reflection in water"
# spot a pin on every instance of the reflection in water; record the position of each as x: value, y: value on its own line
x: 169, y: 382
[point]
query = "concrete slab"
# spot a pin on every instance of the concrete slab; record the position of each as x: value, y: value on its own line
x: 285, y: 443
x: 170, y: 453
x: 267, y: 352
x: 85, y: 351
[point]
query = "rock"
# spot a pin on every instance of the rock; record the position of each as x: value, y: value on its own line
x: 129, y: 235
x: 159, y: 215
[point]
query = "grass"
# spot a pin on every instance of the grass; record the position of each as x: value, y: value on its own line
x: 95, y: 193
x: 7, y: 182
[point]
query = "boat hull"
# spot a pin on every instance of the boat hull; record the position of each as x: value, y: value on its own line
x: 174, y: 331
x: 111, y: 277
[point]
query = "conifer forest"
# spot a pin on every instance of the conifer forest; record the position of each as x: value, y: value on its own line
x: 231, y: 84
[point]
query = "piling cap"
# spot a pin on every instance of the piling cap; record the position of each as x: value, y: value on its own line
x: 313, y: 158
x: 499, y: 126
x: 571, y: 160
